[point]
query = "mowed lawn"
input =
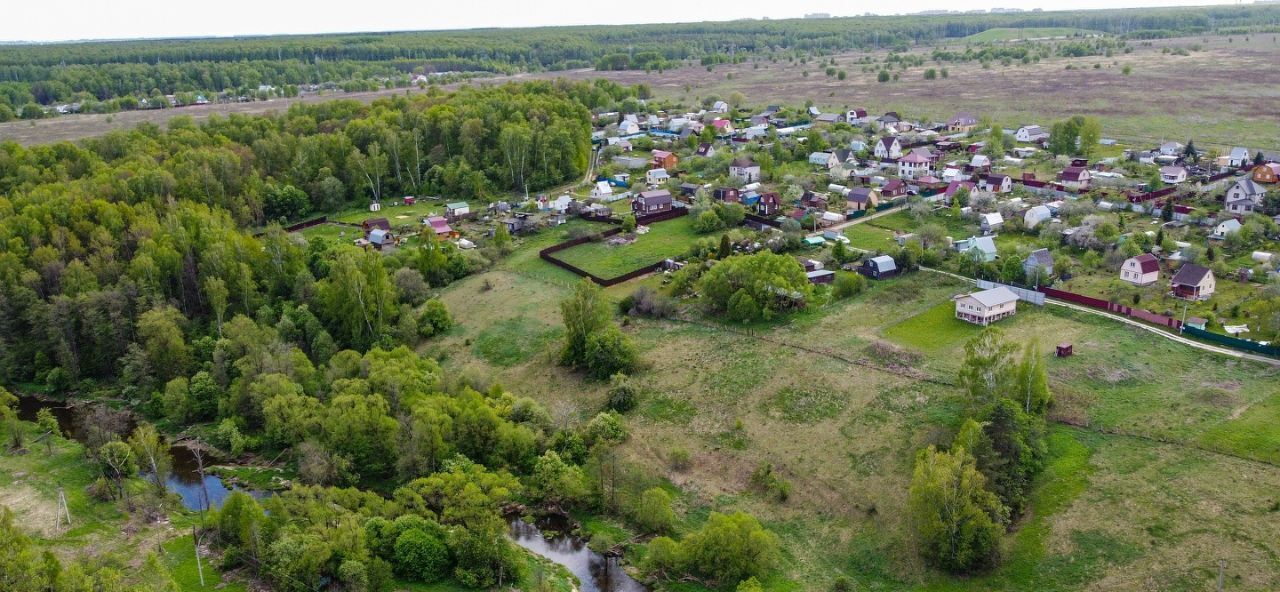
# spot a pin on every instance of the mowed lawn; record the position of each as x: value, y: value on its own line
x: 933, y: 330
x: 664, y: 240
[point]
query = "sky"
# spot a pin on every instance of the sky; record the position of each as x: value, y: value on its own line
x: 126, y: 19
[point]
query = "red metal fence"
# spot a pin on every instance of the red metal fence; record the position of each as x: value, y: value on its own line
x: 1101, y: 304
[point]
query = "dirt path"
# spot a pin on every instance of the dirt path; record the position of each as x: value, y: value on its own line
x: 1158, y: 331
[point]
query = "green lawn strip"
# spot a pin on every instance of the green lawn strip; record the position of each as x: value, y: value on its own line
x: 664, y: 240
x: 934, y: 330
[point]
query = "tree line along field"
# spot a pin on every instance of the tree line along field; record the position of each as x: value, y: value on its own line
x: 1147, y: 480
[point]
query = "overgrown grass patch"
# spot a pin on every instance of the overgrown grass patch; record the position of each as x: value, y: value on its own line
x: 513, y: 341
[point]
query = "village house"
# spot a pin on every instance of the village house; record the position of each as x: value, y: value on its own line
x: 1075, y: 177
x: 1031, y: 134
x: 457, y: 210
x: 516, y: 224
x: 981, y: 247
x: 723, y: 127
x: 720, y: 107
x: 663, y: 159
x: 372, y: 224
x: 1238, y: 157
x: 954, y: 187
x: 1266, y: 173
x: 996, y: 183
x: 1038, y: 265
x: 656, y: 176
x: 727, y: 194
x: 987, y: 306
x: 878, y: 268
x: 1035, y: 215
x: 768, y: 204
x: 862, y: 198
x: 828, y: 119
x: 1245, y: 196
x: 826, y: 160
x: 381, y: 238
x: 602, y: 190
x: 962, y: 122
x: 744, y: 170
x: 1142, y: 270
x: 441, y: 227
x: 1171, y: 149
x: 820, y: 276
x: 888, y: 121
x: 1225, y: 228
x: 914, y: 165
x: 856, y: 117
x: 706, y: 150
x: 888, y: 148
x: 1173, y: 174
x: 894, y: 188
x: 990, y: 222
x: 628, y: 128
x: 1193, y: 282
x: 651, y: 202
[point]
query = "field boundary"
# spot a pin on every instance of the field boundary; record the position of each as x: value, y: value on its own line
x: 548, y: 254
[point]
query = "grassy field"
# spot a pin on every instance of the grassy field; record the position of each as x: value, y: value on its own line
x: 664, y: 240
x: 1234, y: 82
x: 1010, y: 34
x: 1149, y: 412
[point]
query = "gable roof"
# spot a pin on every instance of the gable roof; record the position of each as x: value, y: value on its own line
x: 963, y: 118
x: 382, y: 223
x: 985, y: 244
x: 1249, y: 186
x: 655, y: 198
x: 914, y: 157
x: 882, y: 263
x: 994, y: 297
x: 1041, y: 257
x: 439, y: 224
x: 1074, y: 173
x: 1147, y: 263
x: 1191, y: 274
x: 888, y: 142
x: 860, y: 194
x: 1172, y: 170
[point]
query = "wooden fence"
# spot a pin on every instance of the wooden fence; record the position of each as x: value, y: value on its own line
x: 548, y: 254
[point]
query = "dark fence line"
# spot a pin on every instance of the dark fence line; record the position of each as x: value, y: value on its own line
x: 1235, y: 342
x: 548, y: 254
x: 299, y: 226
x: 771, y: 223
x: 1101, y: 304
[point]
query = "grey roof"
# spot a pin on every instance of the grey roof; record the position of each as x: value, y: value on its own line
x: 378, y: 236
x: 1239, y: 153
x: 1041, y: 257
x: 995, y: 296
x: 883, y: 263
x: 1250, y: 187
x: 985, y: 244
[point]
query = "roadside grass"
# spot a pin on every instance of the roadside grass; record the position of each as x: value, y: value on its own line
x: 664, y: 240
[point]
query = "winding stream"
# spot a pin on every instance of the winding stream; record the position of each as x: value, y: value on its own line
x: 184, y: 479
x: 596, y: 572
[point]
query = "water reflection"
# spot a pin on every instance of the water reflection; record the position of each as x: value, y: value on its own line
x: 596, y: 572
x: 185, y: 479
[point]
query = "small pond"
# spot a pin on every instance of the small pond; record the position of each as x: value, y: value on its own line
x: 596, y: 572
x: 185, y: 479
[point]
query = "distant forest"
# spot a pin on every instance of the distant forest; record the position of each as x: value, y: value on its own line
x: 114, y: 75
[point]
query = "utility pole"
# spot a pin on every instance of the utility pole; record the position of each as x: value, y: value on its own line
x: 63, y: 511
x: 1222, y: 566
x: 195, y: 545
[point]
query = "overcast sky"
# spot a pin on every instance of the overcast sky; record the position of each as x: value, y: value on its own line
x: 119, y: 19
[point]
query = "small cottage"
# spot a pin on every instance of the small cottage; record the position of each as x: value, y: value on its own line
x: 1193, y: 282
x: 987, y: 306
x: 878, y: 268
x: 651, y: 202
x: 1038, y: 265
x: 1142, y: 270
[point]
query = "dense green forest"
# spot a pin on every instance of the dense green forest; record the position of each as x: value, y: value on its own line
x: 136, y: 234
x: 101, y: 71
x: 132, y: 270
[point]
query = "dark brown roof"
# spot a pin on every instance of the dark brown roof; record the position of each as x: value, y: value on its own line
x: 1191, y: 275
x: 1147, y: 262
x: 372, y: 223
